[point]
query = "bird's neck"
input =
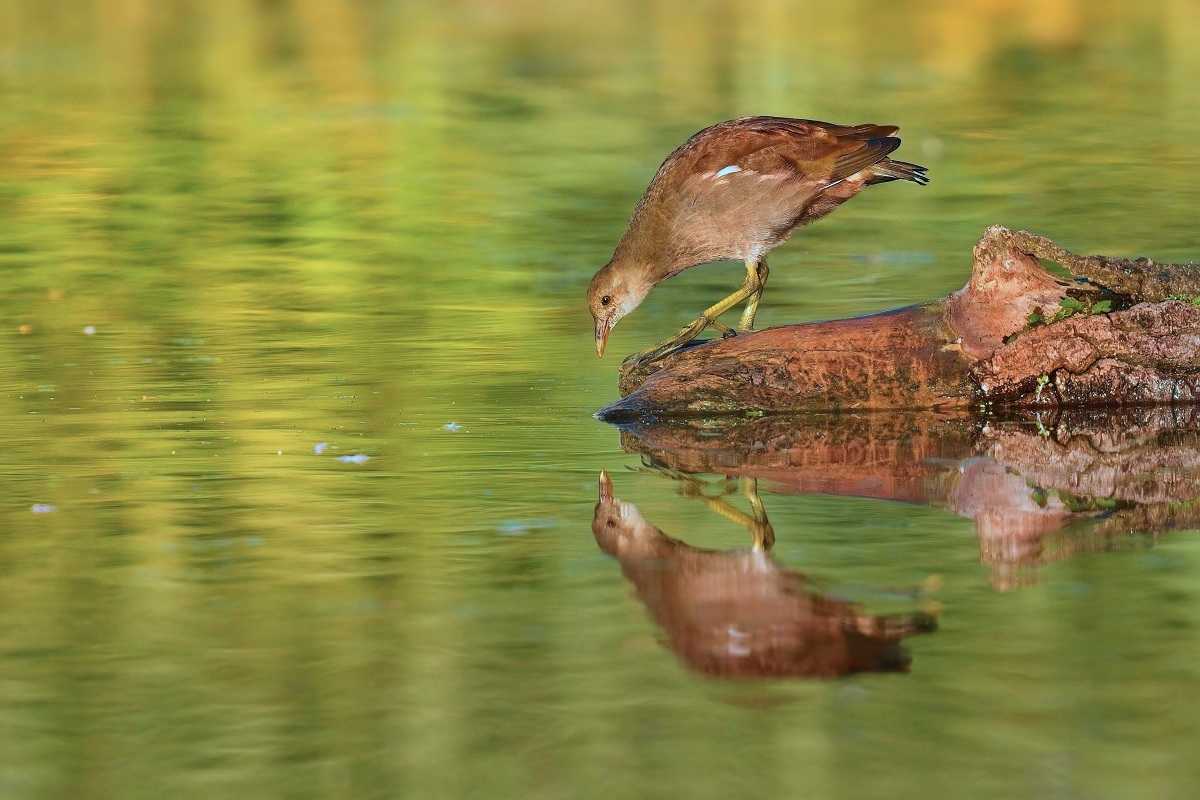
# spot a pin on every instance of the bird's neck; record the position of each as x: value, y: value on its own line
x: 647, y: 250
x: 636, y: 275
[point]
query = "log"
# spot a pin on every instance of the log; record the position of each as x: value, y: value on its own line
x: 1123, y: 332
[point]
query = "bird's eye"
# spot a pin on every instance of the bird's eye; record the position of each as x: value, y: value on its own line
x: 605, y: 300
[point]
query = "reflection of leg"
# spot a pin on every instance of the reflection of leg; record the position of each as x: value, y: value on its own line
x: 763, y: 532
x: 760, y: 529
x: 750, y: 290
x: 756, y: 522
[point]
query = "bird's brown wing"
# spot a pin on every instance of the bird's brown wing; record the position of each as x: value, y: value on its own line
x: 803, y: 149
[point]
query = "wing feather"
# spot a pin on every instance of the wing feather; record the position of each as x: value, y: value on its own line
x: 870, y: 152
x: 792, y: 148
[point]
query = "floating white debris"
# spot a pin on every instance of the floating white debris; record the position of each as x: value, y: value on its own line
x: 360, y: 458
x: 42, y: 508
x: 89, y: 330
x: 519, y: 527
x: 451, y: 426
x: 319, y: 447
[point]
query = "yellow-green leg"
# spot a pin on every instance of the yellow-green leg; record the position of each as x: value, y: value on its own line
x: 760, y: 273
x: 751, y: 289
x: 762, y: 533
x: 756, y: 523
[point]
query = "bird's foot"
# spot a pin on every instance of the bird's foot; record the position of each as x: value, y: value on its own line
x: 677, y: 342
x: 655, y: 353
x: 725, y: 330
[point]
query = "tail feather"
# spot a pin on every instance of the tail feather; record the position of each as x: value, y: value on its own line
x: 889, y: 170
x: 872, y: 131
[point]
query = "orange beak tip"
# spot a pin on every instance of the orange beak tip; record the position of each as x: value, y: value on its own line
x: 601, y: 340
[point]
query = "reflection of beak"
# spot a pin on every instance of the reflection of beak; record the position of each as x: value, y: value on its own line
x: 602, y: 329
x: 605, y: 486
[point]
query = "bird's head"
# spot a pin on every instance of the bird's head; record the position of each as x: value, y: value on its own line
x: 618, y: 526
x: 613, y: 293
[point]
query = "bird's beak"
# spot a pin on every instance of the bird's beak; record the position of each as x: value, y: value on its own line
x: 603, y: 327
x: 605, y: 486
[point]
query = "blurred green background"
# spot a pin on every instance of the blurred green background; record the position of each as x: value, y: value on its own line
x: 242, y: 240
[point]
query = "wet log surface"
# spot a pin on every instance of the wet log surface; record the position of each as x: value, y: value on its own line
x: 1124, y: 332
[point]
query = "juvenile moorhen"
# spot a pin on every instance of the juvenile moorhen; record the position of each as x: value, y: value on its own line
x: 734, y: 191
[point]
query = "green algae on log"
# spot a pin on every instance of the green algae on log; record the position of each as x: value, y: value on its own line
x: 1010, y: 337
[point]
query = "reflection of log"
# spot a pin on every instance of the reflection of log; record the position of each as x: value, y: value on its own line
x: 1038, y: 492
x: 953, y: 353
x: 738, y: 614
x: 885, y: 456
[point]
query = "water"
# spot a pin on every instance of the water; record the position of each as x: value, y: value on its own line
x: 233, y: 233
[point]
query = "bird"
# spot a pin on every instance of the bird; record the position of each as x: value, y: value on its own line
x: 732, y: 192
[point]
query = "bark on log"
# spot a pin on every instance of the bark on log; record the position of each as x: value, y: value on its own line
x: 973, y: 348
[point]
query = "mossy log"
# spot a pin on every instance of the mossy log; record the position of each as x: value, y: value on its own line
x: 1122, y: 332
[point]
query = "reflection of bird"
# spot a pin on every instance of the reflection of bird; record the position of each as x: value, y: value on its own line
x: 733, y: 192
x: 738, y: 614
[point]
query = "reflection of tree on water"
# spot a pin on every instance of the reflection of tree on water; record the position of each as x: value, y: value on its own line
x: 1039, y: 490
x: 738, y: 614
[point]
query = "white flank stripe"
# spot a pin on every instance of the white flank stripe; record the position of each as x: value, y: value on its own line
x: 728, y: 171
